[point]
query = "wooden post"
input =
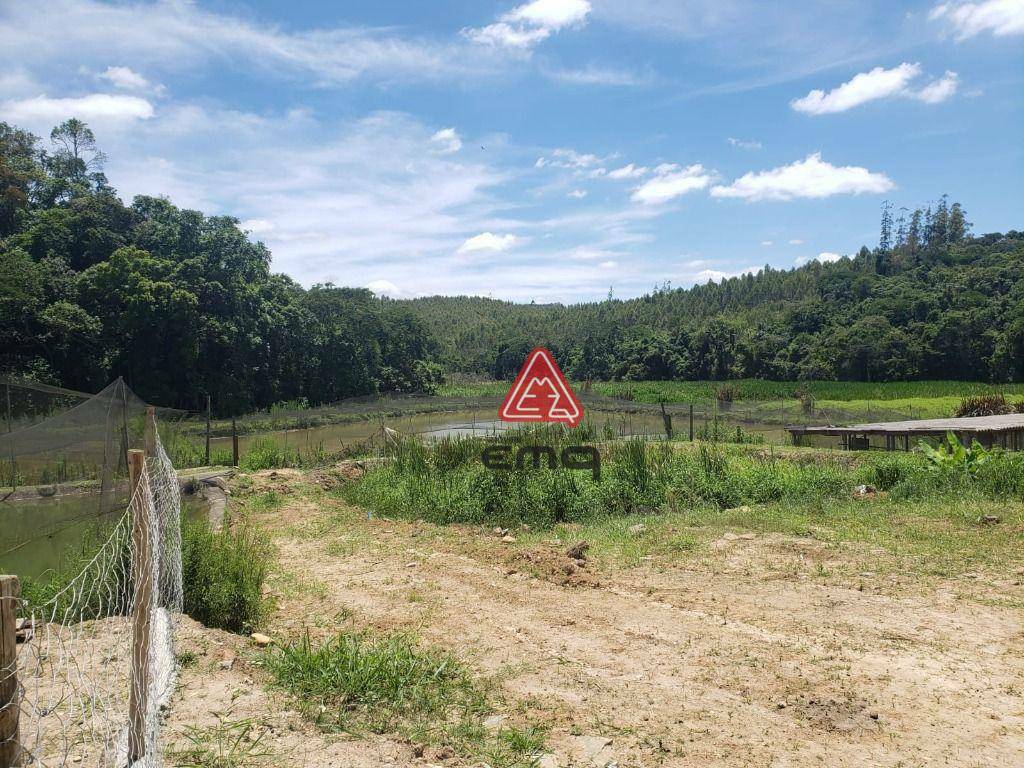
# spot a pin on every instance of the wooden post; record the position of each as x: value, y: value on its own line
x: 234, y: 442
x: 207, y: 430
x: 691, y: 422
x: 142, y: 578
x: 10, y: 746
x: 10, y: 428
x: 150, y: 441
x: 668, y: 421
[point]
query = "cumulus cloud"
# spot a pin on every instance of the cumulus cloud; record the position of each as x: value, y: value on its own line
x: 1000, y: 17
x: 879, y: 83
x: 796, y: 241
x: 670, y: 182
x: 940, y: 90
x: 96, y: 108
x: 767, y: 243
x: 579, y: 194
x: 389, y: 289
x: 825, y: 257
x: 627, y: 172
x: 446, y: 141
x: 528, y: 24
x: 808, y: 178
x: 569, y: 158
x: 488, y: 241
x: 125, y: 78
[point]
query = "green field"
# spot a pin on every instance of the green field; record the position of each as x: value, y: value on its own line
x: 765, y: 399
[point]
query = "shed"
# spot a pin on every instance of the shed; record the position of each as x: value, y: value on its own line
x: 1006, y: 431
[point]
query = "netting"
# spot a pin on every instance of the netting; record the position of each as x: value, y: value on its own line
x: 95, y: 661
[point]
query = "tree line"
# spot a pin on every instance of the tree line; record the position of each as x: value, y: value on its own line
x: 181, y: 304
x: 184, y: 305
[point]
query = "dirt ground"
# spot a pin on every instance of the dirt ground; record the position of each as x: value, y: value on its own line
x: 740, y: 657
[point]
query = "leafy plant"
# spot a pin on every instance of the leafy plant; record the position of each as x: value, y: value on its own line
x: 228, y: 744
x: 984, y: 405
x: 953, y: 456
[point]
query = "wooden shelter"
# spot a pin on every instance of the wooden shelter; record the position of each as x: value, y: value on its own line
x: 1006, y: 431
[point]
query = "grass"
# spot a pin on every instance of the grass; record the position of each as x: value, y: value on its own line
x: 223, y: 573
x: 228, y: 744
x: 355, y: 682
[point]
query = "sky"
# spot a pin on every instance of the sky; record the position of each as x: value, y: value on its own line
x: 553, y: 150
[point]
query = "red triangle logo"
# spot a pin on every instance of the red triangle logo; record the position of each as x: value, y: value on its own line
x: 541, y: 393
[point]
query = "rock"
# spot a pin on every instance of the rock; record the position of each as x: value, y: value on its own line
x: 411, y: 564
x: 578, y: 551
x: 637, y: 530
x: 780, y: 705
x: 590, y: 748
x: 261, y: 640
x: 990, y: 519
x: 226, y: 664
x: 508, y: 538
x: 548, y: 760
x: 494, y: 722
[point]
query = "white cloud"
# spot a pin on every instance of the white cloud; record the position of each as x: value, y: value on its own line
x: 767, y: 242
x: 940, y: 90
x: 177, y: 35
x: 716, y: 275
x: 568, y: 158
x: 825, y: 257
x: 1000, y: 17
x: 741, y: 144
x: 488, y: 241
x: 808, y: 178
x: 670, y: 183
x: 594, y: 74
x: 796, y: 241
x: 579, y: 194
x: 257, y: 226
x: 125, y: 78
x: 385, y: 288
x: 627, y: 172
x: 610, y: 264
x: 96, y: 108
x: 447, y: 141
x: 879, y: 83
x: 526, y: 25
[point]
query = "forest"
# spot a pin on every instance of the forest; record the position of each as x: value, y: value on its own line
x: 185, y: 305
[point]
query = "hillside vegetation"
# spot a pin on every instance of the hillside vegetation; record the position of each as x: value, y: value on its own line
x: 184, y: 305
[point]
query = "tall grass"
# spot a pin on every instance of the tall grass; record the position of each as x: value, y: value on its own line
x: 223, y: 573
x: 448, y: 483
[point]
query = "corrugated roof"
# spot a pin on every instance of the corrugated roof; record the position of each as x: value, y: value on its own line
x: 1004, y: 423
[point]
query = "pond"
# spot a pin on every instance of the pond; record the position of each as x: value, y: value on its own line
x: 35, y: 535
x: 334, y: 438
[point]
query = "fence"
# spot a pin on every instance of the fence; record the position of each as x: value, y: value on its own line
x: 87, y: 661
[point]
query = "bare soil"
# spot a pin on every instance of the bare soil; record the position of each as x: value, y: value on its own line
x: 739, y: 657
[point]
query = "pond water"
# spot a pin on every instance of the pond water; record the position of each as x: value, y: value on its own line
x: 35, y: 535
x: 334, y: 438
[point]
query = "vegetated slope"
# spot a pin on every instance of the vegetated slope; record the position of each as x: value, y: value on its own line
x: 954, y: 310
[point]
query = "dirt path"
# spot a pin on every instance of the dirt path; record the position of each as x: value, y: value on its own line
x: 738, y: 659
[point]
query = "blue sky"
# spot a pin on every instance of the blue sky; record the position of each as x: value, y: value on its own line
x: 545, y: 150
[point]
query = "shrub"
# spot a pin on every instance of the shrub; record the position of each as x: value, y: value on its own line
x: 983, y: 405
x: 727, y: 393
x: 223, y: 574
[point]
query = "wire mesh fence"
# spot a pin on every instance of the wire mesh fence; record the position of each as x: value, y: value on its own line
x: 94, y: 659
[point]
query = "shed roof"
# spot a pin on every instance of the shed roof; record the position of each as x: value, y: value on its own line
x: 1005, y: 423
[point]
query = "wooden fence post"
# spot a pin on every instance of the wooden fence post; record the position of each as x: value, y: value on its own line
x: 150, y: 441
x: 10, y: 747
x: 142, y: 578
x: 691, y: 422
x: 207, y: 430
x: 234, y: 442
x: 665, y: 417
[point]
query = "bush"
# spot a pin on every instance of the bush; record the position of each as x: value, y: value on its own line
x: 223, y: 575
x: 984, y: 405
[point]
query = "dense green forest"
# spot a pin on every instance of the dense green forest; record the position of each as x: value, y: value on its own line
x: 184, y: 305
x: 931, y: 302
x: 181, y: 304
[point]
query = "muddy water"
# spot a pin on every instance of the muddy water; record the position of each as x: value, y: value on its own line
x: 337, y: 437
x: 36, y: 535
